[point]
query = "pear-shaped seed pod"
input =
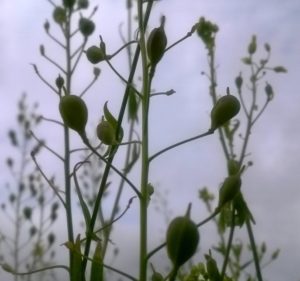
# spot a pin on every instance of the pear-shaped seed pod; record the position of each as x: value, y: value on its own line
x: 95, y: 54
x: 157, y: 43
x: 74, y: 112
x: 106, y: 133
x: 69, y: 3
x: 86, y: 26
x: 182, y: 240
x: 226, y: 108
x: 156, y: 276
x: 229, y: 189
x: 59, y: 15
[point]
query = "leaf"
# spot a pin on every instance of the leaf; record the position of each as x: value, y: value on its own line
x: 97, y: 264
x: 132, y: 105
x: 83, y: 205
x: 113, y: 121
x: 76, y: 265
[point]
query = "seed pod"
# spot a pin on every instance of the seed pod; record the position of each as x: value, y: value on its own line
x: 157, y: 43
x: 69, y: 3
x: 86, y: 26
x: 59, y: 82
x: 95, y: 54
x: 59, y: 15
x: 229, y: 189
x: 83, y: 4
x: 226, y: 108
x: 156, y: 276
x: 182, y: 240
x: 233, y: 167
x: 212, y: 269
x: 74, y: 113
x: 252, y: 45
x: 106, y: 133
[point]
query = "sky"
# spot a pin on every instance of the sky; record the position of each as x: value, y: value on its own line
x: 271, y: 186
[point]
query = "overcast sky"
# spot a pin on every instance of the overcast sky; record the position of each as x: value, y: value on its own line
x: 271, y: 186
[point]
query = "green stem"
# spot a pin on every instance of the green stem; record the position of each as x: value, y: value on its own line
x: 145, y: 145
x: 229, y: 245
x: 68, y: 199
x: 254, y: 251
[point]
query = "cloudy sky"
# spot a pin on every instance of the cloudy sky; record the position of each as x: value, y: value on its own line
x: 271, y: 186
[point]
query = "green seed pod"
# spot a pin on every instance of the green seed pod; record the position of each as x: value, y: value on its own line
x: 226, y: 108
x: 59, y: 15
x: 59, y: 82
x: 86, y: 26
x: 229, y: 189
x: 157, y: 43
x: 69, y: 3
x: 106, y: 133
x: 74, y: 113
x: 252, y: 45
x: 83, y: 4
x: 233, y: 167
x: 212, y: 269
x: 157, y: 277
x: 95, y: 54
x: 182, y: 240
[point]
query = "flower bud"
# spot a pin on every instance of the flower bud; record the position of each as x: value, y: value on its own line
x: 83, y: 4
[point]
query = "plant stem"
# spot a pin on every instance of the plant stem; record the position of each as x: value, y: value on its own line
x: 254, y: 251
x: 68, y: 199
x: 145, y: 145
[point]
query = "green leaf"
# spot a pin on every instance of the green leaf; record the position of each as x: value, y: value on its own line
x: 83, y: 205
x: 113, y: 121
x: 97, y: 264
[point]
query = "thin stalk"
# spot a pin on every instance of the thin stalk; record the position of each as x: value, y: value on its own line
x: 229, y: 245
x: 145, y: 145
x: 254, y: 251
x: 68, y: 199
x: 213, y: 92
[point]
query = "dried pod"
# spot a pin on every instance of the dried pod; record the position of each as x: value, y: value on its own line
x: 95, y: 54
x: 74, y: 113
x: 157, y: 43
x: 86, y: 26
x: 226, y: 108
x: 182, y: 240
x: 106, y: 133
